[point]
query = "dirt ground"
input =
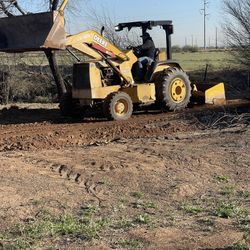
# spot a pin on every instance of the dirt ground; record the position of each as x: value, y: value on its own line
x: 157, y: 181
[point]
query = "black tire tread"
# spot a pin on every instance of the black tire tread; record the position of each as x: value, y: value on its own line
x: 162, y: 86
x: 109, y: 102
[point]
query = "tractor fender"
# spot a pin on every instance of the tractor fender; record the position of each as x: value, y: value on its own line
x: 161, y: 66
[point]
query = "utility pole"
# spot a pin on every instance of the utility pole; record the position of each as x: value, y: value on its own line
x: 205, y: 14
x: 216, y: 38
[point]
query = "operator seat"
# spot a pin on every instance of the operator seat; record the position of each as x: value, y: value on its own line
x: 152, y: 66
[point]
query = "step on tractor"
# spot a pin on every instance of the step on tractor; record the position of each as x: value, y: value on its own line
x: 107, y: 79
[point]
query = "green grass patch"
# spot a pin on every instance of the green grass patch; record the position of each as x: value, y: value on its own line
x: 89, y: 210
x: 144, y: 204
x: 123, y: 223
x: 17, y: 245
x: 37, y: 202
x: 138, y: 195
x: 46, y: 226
x: 227, y: 210
x: 227, y: 190
x: 243, y: 244
x: 2, y: 237
x: 64, y: 225
x: 143, y: 219
x: 240, y: 246
x: 222, y: 178
x: 191, y: 209
x: 196, y: 61
x: 245, y: 193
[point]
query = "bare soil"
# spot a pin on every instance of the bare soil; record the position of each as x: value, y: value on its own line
x: 156, y: 181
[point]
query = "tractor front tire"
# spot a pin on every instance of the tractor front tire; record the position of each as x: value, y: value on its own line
x: 118, y: 106
x: 173, y: 89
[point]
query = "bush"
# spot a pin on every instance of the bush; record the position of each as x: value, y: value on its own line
x: 189, y: 48
x: 176, y: 49
x: 27, y: 87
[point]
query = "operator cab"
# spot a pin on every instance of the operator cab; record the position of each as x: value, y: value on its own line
x: 167, y: 26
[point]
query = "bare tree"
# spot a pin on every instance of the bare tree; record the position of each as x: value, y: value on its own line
x: 107, y: 21
x: 237, y: 28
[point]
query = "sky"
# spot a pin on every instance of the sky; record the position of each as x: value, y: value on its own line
x: 185, y: 14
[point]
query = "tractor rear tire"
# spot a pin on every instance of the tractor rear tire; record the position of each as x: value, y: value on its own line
x: 118, y: 106
x: 173, y: 89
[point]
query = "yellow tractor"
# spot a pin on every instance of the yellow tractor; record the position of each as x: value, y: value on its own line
x: 110, y: 81
x: 106, y: 80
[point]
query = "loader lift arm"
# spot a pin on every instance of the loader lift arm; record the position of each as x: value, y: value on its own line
x: 94, y: 45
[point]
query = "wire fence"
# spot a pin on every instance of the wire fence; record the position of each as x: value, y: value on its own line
x: 27, y: 76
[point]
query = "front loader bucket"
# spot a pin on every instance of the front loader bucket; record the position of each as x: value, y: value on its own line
x: 32, y: 32
x: 210, y: 93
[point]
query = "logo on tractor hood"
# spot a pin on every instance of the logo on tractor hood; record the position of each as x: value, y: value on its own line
x: 100, y: 41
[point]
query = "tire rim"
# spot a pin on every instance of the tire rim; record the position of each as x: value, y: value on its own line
x: 178, y: 90
x: 121, y: 107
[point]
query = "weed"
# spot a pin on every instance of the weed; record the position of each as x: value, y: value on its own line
x: 124, y: 200
x: 240, y: 246
x: 226, y: 210
x: 131, y: 244
x: 244, y: 244
x: 47, y: 226
x: 89, y: 210
x: 170, y: 220
x: 191, y: 209
x: 138, y: 195
x: 222, y: 178
x: 245, y: 193
x: 245, y: 222
x: 143, y: 204
x: 123, y: 223
x: 119, y: 207
x: 36, y: 202
x: 17, y: 245
x: 228, y: 190
x: 206, y: 224
x: 206, y: 221
x: 2, y: 237
x: 143, y: 219
x: 44, y: 212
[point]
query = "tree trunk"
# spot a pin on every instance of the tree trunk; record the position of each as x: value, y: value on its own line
x: 61, y: 88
